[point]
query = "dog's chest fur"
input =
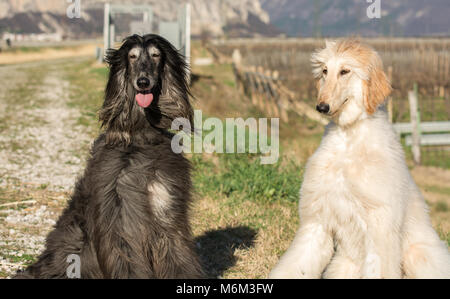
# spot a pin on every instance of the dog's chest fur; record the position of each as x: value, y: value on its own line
x: 337, y: 176
x: 143, y: 186
x: 340, y: 186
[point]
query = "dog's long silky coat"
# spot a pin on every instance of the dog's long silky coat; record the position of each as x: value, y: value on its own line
x: 361, y: 214
x: 128, y: 215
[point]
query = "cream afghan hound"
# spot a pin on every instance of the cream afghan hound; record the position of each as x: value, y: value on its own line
x: 362, y: 215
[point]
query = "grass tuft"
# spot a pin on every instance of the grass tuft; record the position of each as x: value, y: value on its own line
x: 243, y: 177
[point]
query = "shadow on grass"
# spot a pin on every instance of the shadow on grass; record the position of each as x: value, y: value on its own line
x: 217, y: 248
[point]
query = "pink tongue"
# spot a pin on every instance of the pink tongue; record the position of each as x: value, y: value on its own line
x: 144, y: 100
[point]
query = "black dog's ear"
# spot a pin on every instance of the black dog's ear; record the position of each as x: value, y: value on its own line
x: 115, y: 58
x: 111, y: 56
x: 115, y: 87
x: 116, y: 95
x: 174, y: 98
x: 175, y: 87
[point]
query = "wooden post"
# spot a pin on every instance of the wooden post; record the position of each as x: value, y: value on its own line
x: 253, y: 85
x: 281, y: 98
x: 283, y: 107
x: 237, y: 58
x: 390, y: 107
x: 259, y: 70
x: 276, y: 94
x: 237, y: 66
x: 247, y: 84
x: 268, y: 92
x: 415, y: 123
x: 447, y: 101
x: 239, y: 79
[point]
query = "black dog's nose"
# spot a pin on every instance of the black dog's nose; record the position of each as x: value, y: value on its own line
x: 323, y: 108
x: 143, y: 82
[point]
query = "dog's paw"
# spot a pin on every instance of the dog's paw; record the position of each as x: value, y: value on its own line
x: 286, y: 273
x: 372, y: 266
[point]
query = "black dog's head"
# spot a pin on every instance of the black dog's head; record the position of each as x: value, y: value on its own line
x: 147, y: 85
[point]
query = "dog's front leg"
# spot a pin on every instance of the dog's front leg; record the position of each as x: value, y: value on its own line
x: 308, y: 255
x: 383, y: 248
x: 381, y: 191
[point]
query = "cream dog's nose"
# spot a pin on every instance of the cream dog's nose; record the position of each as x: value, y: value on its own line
x: 323, y: 108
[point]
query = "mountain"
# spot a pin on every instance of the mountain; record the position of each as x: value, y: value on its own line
x: 214, y: 17
x: 349, y: 17
x: 241, y: 18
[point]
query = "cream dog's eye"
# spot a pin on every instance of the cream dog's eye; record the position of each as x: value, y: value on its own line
x: 325, y: 71
x: 344, y: 72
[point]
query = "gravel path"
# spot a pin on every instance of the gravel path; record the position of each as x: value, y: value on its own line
x: 39, y: 137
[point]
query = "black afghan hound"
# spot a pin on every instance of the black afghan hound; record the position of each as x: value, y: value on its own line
x: 128, y: 215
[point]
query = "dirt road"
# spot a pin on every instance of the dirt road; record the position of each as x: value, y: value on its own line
x: 40, y: 142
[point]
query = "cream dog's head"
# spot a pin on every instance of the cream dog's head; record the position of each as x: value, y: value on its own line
x: 351, y: 81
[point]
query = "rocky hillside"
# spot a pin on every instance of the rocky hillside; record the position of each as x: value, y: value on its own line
x: 242, y: 17
x: 349, y: 17
x: 213, y: 17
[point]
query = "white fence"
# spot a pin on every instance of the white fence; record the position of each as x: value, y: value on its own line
x: 426, y: 127
x: 436, y: 133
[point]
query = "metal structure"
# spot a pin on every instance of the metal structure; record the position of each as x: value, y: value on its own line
x: 177, y: 32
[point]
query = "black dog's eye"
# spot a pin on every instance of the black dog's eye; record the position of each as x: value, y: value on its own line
x: 156, y: 55
x: 325, y: 71
x: 344, y: 72
x: 133, y: 56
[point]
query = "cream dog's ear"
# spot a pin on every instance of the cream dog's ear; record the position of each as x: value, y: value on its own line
x: 378, y: 87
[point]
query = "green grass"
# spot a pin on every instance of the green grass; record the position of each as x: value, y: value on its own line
x: 441, y: 206
x: 438, y: 189
x: 100, y: 72
x: 431, y: 109
x: 230, y: 83
x: 428, y: 157
x: 444, y: 236
x: 242, y: 177
x: 86, y: 92
x: 26, y: 259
